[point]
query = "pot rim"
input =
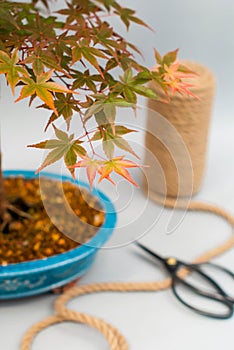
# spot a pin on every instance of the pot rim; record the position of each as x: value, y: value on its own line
x: 72, y: 255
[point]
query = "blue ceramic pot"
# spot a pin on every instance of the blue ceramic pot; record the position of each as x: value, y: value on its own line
x: 39, y: 276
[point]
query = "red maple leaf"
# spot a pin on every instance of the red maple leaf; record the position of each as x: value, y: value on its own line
x: 92, y: 167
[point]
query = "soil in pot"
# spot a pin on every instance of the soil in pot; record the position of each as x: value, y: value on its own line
x: 30, y: 234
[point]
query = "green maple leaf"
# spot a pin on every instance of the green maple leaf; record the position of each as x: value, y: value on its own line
x: 6, y: 15
x: 65, y: 106
x: 111, y: 136
x: 41, y: 59
x: 128, y: 15
x: 8, y: 66
x: 104, y: 109
x: 84, y: 78
x: 108, y: 145
x: 107, y: 3
x: 130, y: 85
x: 90, y: 54
x: 63, y: 147
x: 43, y: 88
x: 170, y: 57
x: 158, y: 57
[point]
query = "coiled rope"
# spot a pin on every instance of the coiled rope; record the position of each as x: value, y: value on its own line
x: 115, y: 339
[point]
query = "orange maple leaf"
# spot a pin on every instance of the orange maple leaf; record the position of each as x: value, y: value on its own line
x: 181, y: 87
x: 173, y: 77
x: 105, y: 168
x: 118, y: 165
x: 172, y: 72
x: 93, y: 166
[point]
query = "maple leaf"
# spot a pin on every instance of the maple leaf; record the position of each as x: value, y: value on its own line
x: 173, y: 72
x: 130, y: 85
x: 8, y: 66
x: 65, y: 106
x: 127, y: 15
x: 89, y: 54
x: 63, y: 147
x: 107, y: 107
x: 41, y: 59
x: 84, y: 78
x: 92, y: 167
x: 112, y: 136
x: 170, y: 74
x: 170, y: 57
x: 118, y: 165
x: 181, y: 87
x: 6, y: 16
x: 43, y: 88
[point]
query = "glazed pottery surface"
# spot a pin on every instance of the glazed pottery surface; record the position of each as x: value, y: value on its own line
x: 39, y: 276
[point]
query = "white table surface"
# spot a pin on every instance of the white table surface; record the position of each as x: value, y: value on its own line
x: 148, y: 320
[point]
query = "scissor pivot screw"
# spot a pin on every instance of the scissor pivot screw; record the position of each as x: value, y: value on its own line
x: 171, y: 261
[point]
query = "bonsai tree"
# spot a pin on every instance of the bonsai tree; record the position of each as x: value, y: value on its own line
x: 75, y: 65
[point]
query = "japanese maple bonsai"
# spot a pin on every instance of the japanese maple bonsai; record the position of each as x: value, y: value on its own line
x: 77, y: 66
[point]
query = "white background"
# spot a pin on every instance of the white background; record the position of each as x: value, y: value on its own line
x: 204, y: 32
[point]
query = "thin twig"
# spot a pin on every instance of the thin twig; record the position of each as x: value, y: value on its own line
x: 7, y: 218
x: 86, y: 133
x: 18, y: 211
x: 62, y: 80
x: 88, y: 137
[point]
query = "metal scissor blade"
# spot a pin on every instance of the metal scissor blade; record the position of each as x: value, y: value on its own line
x: 152, y: 253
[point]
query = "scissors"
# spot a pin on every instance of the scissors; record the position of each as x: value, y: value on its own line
x: 217, y: 295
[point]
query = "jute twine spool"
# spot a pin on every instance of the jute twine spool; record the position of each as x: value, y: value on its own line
x: 191, y: 118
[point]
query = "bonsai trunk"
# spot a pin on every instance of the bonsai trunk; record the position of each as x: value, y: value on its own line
x: 4, y: 214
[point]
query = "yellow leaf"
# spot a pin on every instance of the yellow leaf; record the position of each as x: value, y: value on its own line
x: 43, y: 89
x: 8, y: 66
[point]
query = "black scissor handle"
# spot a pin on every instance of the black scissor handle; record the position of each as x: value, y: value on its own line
x: 218, y: 296
x: 173, y: 266
x: 223, y: 270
